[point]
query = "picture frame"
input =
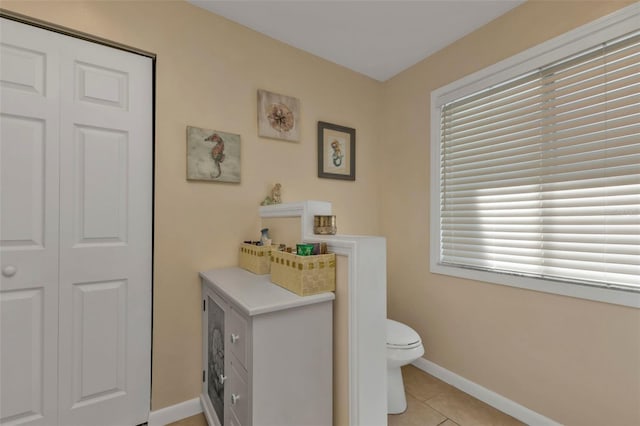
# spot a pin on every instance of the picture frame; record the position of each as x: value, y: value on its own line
x: 336, y: 151
x: 278, y: 116
x: 213, y: 155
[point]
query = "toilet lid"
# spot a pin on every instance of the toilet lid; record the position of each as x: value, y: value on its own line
x: 400, y: 335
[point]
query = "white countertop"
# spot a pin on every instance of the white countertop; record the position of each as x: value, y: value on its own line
x: 256, y: 294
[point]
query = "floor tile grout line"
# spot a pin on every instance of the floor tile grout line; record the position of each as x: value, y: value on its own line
x: 445, y: 393
x: 424, y: 402
x: 440, y: 412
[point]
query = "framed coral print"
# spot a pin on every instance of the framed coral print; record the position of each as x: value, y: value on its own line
x: 213, y: 155
x: 278, y: 116
x: 336, y: 151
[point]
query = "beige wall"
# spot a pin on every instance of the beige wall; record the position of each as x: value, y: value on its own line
x: 575, y: 361
x: 208, y: 74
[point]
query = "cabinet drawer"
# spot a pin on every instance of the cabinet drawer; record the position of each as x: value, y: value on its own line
x: 238, y: 336
x: 237, y: 395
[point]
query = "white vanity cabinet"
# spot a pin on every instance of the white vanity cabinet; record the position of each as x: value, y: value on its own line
x: 267, y: 352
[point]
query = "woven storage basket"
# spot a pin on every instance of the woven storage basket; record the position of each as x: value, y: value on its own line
x: 255, y: 259
x: 304, y: 275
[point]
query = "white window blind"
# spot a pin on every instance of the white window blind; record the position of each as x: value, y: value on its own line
x: 540, y: 175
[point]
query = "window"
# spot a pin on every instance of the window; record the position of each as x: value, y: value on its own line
x: 538, y: 169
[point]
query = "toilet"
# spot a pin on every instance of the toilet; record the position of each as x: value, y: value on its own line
x: 403, y: 347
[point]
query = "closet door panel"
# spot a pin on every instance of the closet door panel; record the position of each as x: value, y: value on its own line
x: 23, y: 159
x: 105, y: 228
x: 24, y: 355
x: 28, y: 226
x: 99, y: 340
x: 101, y: 186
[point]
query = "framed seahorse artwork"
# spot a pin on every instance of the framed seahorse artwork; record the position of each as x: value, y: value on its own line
x: 278, y: 116
x: 213, y: 155
x: 336, y: 151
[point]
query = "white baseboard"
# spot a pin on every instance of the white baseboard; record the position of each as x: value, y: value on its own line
x: 174, y: 413
x: 193, y: 406
x: 485, y: 395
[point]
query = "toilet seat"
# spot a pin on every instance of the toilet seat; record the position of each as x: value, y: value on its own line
x: 401, y: 336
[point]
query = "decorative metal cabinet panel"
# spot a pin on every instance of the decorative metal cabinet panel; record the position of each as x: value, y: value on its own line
x: 214, y: 339
x: 267, y: 352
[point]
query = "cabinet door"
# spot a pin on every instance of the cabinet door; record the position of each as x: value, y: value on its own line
x: 214, y: 330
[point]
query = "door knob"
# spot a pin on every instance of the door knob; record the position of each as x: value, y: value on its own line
x: 9, y: 271
x: 234, y: 398
x: 221, y: 379
x: 234, y: 338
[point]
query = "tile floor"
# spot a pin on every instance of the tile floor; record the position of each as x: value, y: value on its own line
x: 430, y: 402
x: 197, y: 420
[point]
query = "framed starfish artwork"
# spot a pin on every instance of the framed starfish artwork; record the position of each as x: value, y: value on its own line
x: 278, y: 116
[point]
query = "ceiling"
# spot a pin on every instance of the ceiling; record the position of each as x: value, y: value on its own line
x: 376, y: 38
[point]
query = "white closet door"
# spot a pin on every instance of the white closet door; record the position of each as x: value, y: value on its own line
x: 28, y: 226
x: 105, y: 235
x: 76, y: 226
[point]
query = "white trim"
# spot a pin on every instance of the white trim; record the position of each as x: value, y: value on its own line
x: 617, y: 297
x: 485, y: 395
x: 175, y: 412
x: 367, y: 316
x: 603, y: 29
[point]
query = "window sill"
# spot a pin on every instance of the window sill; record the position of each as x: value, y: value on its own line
x: 613, y: 296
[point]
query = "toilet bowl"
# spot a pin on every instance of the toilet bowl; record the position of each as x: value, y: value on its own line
x: 403, y: 347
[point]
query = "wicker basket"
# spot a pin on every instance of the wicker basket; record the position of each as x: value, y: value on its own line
x: 304, y: 275
x: 255, y: 259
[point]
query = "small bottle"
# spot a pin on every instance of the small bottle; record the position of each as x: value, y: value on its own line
x: 264, y: 238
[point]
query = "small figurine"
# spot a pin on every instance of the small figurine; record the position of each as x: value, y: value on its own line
x: 274, y: 198
x: 275, y: 194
